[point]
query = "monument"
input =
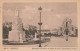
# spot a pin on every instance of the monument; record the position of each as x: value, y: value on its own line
x: 17, y: 35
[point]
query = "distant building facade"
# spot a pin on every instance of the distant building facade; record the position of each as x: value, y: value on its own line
x: 44, y: 31
x: 67, y: 24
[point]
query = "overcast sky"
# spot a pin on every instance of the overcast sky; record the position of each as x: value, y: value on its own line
x: 53, y: 14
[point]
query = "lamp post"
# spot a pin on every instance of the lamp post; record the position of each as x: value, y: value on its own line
x: 40, y: 23
x: 67, y: 31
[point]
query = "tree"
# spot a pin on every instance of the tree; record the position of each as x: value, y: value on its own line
x: 32, y: 29
x: 7, y: 26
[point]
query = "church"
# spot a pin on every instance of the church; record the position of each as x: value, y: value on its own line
x: 67, y: 23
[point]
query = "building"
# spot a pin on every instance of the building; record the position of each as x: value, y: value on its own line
x: 67, y: 24
x: 54, y: 31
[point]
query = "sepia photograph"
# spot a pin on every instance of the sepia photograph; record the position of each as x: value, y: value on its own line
x: 40, y: 24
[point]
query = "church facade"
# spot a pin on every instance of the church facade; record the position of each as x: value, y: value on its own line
x: 67, y: 24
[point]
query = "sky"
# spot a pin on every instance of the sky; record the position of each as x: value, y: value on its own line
x: 52, y: 14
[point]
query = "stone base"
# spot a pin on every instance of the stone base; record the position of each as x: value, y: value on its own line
x: 16, y: 36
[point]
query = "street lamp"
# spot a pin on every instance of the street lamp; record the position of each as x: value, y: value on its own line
x: 40, y: 23
x: 67, y: 30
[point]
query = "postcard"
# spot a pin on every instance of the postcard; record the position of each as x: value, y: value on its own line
x: 39, y: 25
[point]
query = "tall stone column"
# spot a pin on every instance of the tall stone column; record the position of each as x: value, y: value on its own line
x: 17, y: 34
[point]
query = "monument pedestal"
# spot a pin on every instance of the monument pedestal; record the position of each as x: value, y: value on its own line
x: 16, y: 37
x: 13, y: 36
